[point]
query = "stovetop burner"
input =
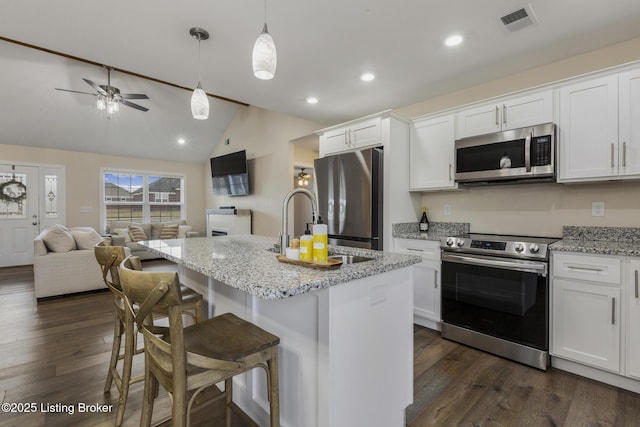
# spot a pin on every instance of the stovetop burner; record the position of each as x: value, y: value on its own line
x: 526, y: 247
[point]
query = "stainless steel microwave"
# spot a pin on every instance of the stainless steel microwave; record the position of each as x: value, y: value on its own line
x: 517, y: 155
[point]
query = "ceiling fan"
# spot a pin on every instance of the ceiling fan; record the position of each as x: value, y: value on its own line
x: 109, y: 97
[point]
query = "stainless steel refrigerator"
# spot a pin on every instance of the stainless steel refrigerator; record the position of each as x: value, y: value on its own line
x: 349, y: 191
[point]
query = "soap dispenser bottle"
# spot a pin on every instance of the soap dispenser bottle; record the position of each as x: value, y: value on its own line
x: 306, y: 246
x: 320, y: 243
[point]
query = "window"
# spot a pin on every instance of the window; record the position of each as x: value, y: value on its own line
x: 142, y: 197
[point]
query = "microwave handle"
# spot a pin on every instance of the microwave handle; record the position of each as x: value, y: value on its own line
x: 527, y: 152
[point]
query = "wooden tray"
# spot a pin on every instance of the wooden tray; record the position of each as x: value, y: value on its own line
x: 330, y: 265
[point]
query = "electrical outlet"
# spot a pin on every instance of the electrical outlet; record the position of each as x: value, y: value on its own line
x: 447, y: 210
x: 597, y: 208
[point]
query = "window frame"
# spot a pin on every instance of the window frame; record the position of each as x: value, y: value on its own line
x: 145, y: 203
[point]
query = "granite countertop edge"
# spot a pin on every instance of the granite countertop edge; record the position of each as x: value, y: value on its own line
x: 599, y: 247
x: 247, y: 263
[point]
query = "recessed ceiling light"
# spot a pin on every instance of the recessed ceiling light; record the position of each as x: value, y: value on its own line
x: 312, y: 100
x: 454, y: 40
x: 367, y: 77
x: 181, y: 141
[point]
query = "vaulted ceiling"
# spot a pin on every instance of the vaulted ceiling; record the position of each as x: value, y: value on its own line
x: 323, y: 48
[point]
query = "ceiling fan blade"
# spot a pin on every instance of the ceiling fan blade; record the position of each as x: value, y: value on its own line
x: 132, y: 105
x: 96, y: 87
x: 134, y: 96
x: 75, y: 91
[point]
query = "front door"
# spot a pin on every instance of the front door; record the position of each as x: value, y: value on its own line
x: 30, y: 200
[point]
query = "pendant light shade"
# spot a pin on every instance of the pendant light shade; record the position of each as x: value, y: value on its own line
x: 199, y: 104
x: 199, y: 100
x: 264, y: 56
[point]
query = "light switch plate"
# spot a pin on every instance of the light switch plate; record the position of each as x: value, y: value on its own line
x: 447, y: 210
x: 597, y: 208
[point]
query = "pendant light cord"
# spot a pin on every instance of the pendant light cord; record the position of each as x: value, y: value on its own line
x: 199, y: 62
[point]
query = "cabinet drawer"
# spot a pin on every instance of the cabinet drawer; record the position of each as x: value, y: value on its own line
x: 603, y: 269
x: 427, y: 249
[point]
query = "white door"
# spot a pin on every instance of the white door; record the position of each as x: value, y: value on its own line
x: 18, y: 214
x: 31, y: 199
x: 588, y: 129
x: 633, y: 319
x: 432, y: 152
x: 629, y: 144
x: 586, y: 323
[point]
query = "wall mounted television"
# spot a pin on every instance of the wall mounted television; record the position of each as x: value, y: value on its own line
x: 229, y: 174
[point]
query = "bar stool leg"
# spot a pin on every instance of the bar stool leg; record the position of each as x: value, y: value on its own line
x: 115, y: 352
x: 274, y: 398
x: 228, y: 390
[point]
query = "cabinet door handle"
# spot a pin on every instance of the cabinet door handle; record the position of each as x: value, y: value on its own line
x: 415, y: 250
x: 435, y: 279
x: 636, y: 277
x: 504, y: 114
x: 450, y: 167
x: 613, y: 311
x: 612, y: 154
x: 624, y: 154
x: 497, y: 116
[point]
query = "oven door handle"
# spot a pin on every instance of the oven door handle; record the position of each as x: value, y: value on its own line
x: 526, y: 266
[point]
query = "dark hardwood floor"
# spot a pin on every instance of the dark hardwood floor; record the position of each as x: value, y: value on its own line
x: 56, y: 352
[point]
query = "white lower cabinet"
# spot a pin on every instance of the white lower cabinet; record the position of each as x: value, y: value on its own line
x: 426, y: 280
x: 586, y: 323
x: 633, y: 319
x: 595, y: 317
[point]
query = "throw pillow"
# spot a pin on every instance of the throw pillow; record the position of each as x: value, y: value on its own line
x: 59, y: 239
x: 169, y: 231
x: 137, y: 233
x: 183, y: 230
x: 86, y: 239
x: 123, y: 232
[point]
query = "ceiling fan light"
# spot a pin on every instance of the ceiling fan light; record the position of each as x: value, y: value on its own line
x: 265, y: 57
x: 100, y: 104
x: 199, y: 104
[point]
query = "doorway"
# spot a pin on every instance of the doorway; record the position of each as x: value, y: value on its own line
x: 31, y: 199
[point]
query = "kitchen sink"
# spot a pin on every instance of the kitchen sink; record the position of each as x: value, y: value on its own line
x: 350, y: 259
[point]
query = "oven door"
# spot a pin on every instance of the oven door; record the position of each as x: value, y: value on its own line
x: 500, y: 297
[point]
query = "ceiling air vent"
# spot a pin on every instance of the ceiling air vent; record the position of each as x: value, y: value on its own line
x: 519, y: 19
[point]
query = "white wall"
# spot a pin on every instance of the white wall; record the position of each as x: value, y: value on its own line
x: 84, y: 180
x: 539, y: 209
x: 266, y: 136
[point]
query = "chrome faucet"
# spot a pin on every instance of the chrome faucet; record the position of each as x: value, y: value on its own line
x: 284, y: 237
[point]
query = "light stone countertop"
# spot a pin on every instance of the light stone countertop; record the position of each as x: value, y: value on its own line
x: 437, y: 230
x: 601, y: 247
x: 622, y: 241
x: 248, y: 263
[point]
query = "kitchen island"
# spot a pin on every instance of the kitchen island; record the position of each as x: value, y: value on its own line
x: 346, y: 351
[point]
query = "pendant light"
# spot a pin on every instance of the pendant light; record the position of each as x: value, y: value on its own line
x: 264, y: 53
x: 199, y: 100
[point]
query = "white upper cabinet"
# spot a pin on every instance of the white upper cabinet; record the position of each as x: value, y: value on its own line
x: 509, y: 113
x: 353, y: 136
x: 588, y: 129
x: 629, y: 136
x: 432, y: 154
x: 599, y: 128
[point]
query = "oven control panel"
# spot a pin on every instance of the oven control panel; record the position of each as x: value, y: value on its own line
x: 507, y: 246
x: 489, y: 245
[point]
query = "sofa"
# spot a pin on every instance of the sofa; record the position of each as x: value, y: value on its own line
x: 64, y: 261
x: 128, y: 233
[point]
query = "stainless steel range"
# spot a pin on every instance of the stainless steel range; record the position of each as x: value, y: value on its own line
x: 495, y: 295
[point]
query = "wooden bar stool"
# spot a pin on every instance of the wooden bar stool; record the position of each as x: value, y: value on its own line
x: 187, y: 360
x: 109, y: 257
